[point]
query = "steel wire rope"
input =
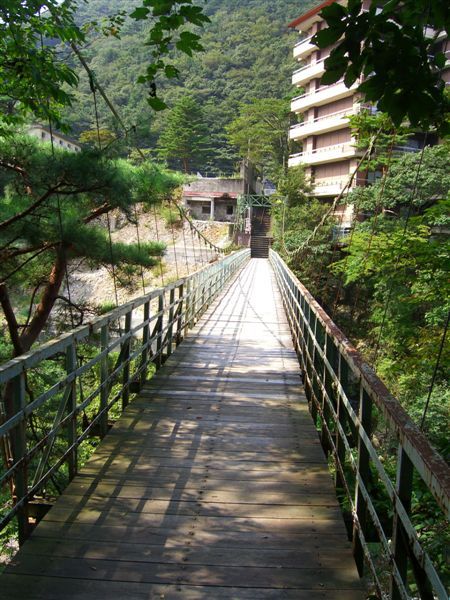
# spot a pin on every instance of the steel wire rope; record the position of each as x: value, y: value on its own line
x: 435, y: 371
x: 185, y: 247
x: 78, y: 362
x: 397, y: 261
x: 173, y: 240
x: 102, y: 92
x: 367, y: 252
x: 305, y: 243
x: 373, y: 229
x: 157, y: 237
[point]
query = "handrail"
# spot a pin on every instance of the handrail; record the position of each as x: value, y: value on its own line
x: 118, y: 350
x: 343, y: 146
x: 318, y: 62
x: 344, y: 112
x: 303, y: 41
x: 321, y: 89
x: 345, y: 395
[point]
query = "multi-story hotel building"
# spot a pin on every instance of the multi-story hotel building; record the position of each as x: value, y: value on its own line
x: 328, y: 149
x: 329, y: 154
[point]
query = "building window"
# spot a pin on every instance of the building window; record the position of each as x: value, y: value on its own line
x: 230, y: 209
x: 206, y: 210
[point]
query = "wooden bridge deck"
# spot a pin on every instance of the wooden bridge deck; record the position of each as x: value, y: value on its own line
x: 212, y: 485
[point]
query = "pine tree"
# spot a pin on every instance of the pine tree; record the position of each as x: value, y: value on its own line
x: 184, y: 138
x: 49, y: 214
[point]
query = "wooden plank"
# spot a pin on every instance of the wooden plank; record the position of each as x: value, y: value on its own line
x: 211, y: 485
x: 56, y: 588
x: 185, y: 536
x: 245, y: 577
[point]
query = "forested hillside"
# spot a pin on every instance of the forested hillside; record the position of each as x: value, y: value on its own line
x: 248, y: 54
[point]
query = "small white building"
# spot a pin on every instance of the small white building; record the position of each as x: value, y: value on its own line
x: 59, y: 140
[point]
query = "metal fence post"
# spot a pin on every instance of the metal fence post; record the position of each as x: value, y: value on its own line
x: 71, y: 366
x: 19, y: 448
x: 104, y: 373
x: 363, y: 471
x: 145, y: 342
x: 159, y: 329
x: 171, y: 319
x: 180, y: 307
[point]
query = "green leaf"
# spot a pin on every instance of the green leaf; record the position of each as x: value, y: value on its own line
x: 157, y: 104
x: 140, y: 13
x: 171, y: 72
x: 326, y: 37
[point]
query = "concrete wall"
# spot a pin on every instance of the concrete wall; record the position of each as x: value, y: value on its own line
x: 216, y: 185
x: 59, y: 141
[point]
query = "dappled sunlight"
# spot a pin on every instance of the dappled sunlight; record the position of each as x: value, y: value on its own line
x: 213, y: 481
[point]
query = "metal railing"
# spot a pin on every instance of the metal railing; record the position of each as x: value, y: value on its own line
x: 346, y: 400
x: 94, y: 368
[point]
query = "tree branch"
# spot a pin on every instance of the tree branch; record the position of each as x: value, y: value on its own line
x: 11, y: 320
x: 30, y: 209
x: 98, y: 212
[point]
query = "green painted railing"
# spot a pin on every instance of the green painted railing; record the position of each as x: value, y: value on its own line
x: 346, y: 400
x: 92, y: 369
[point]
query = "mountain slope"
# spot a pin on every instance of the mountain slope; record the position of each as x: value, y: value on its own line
x: 248, y: 54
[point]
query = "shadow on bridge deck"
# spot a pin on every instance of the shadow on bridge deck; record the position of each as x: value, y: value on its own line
x: 212, y: 484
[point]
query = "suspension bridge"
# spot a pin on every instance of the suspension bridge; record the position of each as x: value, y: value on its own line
x: 221, y: 402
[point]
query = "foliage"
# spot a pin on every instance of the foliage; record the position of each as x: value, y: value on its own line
x: 414, y: 178
x: 248, y: 55
x: 261, y: 133
x: 183, y: 139
x: 33, y: 79
x: 49, y: 215
x: 391, y: 47
x: 295, y: 219
x: 408, y: 273
x: 379, y: 132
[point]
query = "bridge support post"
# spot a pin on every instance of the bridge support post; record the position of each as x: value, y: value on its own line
x: 19, y: 448
x: 71, y: 366
x: 362, y: 474
x: 401, y: 549
x: 104, y: 341
x: 126, y: 360
x: 145, y: 342
x: 159, y: 330
x: 171, y: 322
x: 179, y: 334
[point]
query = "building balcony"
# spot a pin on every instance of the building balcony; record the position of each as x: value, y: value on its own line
x: 325, y: 124
x: 304, y: 48
x: 322, y: 95
x: 308, y: 72
x: 330, y: 186
x: 326, y: 154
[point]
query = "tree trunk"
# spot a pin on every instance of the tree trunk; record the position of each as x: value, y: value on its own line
x: 48, y: 299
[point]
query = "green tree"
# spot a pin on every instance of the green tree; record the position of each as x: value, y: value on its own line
x: 413, y: 182
x: 49, y: 214
x: 34, y: 79
x: 392, y: 48
x: 260, y: 133
x: 183, y: 140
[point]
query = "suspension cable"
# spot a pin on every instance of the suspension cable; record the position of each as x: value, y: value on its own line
x: 173, y: 241
x: 157, y: 237
x: 436, y: 368
x: 185, y: 247
x: 374, y: 223
x: 332, y: 208
x: 405, y: 229
x: 111, y: 254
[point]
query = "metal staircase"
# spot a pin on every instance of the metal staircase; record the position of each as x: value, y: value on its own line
x: 259, y: 241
